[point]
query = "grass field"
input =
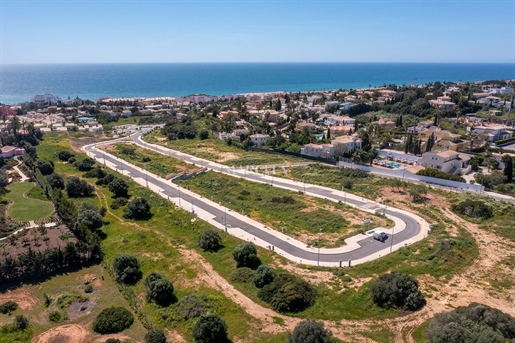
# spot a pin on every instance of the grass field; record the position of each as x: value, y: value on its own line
x: 152, y: 161
x: 217, y: 150
x: 25, y: 208
x: 302, y: 216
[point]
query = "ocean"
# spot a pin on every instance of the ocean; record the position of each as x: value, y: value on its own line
x: 19, y: 83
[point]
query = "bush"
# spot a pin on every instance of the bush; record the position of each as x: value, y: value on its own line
x: 159, y: 290
x: 45, y: 167
x: 430, y: 172
x: 155, y: 336
x: 283, y: 200
x: 55, y: 181
x: 397, y: 290
x: 473, y: 209
x: 21, y: 322
x: 119, y: 202
x: 88, y: 289
x: 210, y: 240
x: 64, y: 155
x: 106, y: 180
x: 86, y: 164
x: 210, y: 328
x: 126, y: 268
x: 113, y: 340
x: 72, y: 160
x: 287, y: 293
x: 475, y: 323
x: 119, y: 187
x: 88, y: 220
x: 264, y: 275
x: 77, y: 188
x: 310, y: 331
x: 203, y: 134
x: 146, y: 159
x: 54, y: 317
x: 191, y: 306
x: 97, y: 173
x: 243, y: 275
x: 245, y: 255
x: 113, y: 320
x: 8, y: 307
x: 138, y: 208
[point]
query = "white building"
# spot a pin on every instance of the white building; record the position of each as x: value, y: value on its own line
x: 259, y: 139
x: 494, y: 132
x: 43, y: 99
x: 448, y: 161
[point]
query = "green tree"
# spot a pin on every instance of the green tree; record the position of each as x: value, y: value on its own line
x: 118, y: 187
x: 77, y: 188
x: 397, y: 290
x: 113, y: 320
x: 55, y: 180
x: 126, y: 268
x: 245, y: 255
x: 159, y: 290
x: 210, y: 328
x: 155, y: 336
x: 508, y: 168
x: 21, y: 322
x: 138, y: 208
x: 264, y: 275
x: 310, y: 331
x: 210, y: 240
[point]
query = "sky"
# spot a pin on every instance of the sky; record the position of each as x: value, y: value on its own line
x: 89, y: 31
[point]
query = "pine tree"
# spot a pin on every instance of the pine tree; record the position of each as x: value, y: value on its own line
x: 508, y: 168
x: 328, y: 133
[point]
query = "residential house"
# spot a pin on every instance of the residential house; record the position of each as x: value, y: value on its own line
x: 340, y: 130
x: 126, y: 113
x: 334, y: 120
x: 445, y: 105
x: 229, y: 115
x: 448, y: 161
x: 7, y: 111
x: 43, y: 99
x: 304, y: 125
x: 493, y: 132
x: 386, y: 124
x: 259, y: 138
x: 318, y: 150
x: 351, y: 143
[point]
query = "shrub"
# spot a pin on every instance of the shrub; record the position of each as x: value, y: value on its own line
x: 310, y: 331
x: 106, y: 180
x: 88, y: 220
x: 45, y: 167
x: 146, y: 159
x: 113, y: 340
x: 159, y: 290
x: 210, y: 240
x: 397, y: 290
x: 77, y: 188
x: 203, y: 134
x: 64, y: 155
x: 8, y: 307
x: 119, y: 202
x: 55, y: 181
x: 88, y: 289
x: 138, y: 208
x: 155, y: 336
x: 283, y: 200
x: 264, y: 275
x: 126, y: 268
x: 86, y: 164
x: 21, y: 322
x: 54, y: 317
x: 72, y: 160
x: 475, y: 323
x: 430, y: 172
x: 191, y: 306
x: 97, y: 173
x: 243, y: 275
x: 118, y: 187
x: 287, y: 293
x: 210, y: 328
x: 113, y: 320
x: 245, y: 255
x: 473, y: 209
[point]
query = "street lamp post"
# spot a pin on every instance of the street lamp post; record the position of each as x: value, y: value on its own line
x: 304, y: 182
x: 318, y: 254
x: 391, y: 242
x: 179, y: 186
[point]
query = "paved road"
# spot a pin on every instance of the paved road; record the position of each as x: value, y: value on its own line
x: 360, y: 248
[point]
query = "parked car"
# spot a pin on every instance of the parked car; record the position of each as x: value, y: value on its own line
x: 380, y: 236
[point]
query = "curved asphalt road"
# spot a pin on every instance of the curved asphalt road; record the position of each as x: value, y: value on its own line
x: 368, y: 246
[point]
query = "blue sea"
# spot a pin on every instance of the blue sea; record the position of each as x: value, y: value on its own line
x: 19, y: 83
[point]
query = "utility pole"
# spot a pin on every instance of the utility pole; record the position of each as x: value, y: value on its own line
x: 318, y: 255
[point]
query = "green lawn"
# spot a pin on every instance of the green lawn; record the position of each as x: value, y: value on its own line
x: 25, y: 208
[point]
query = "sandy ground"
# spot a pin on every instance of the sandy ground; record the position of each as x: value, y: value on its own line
x: 22, y: 297
x: 72, y: 333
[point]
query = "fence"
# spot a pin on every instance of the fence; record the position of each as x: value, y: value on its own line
x: 406, y: 175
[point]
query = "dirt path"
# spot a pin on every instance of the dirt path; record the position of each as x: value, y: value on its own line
x: 72, y: 333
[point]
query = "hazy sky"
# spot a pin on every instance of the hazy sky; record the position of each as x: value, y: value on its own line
x: 256, y: 31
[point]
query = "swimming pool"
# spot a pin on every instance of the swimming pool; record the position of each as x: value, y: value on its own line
x: 393, y: 164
